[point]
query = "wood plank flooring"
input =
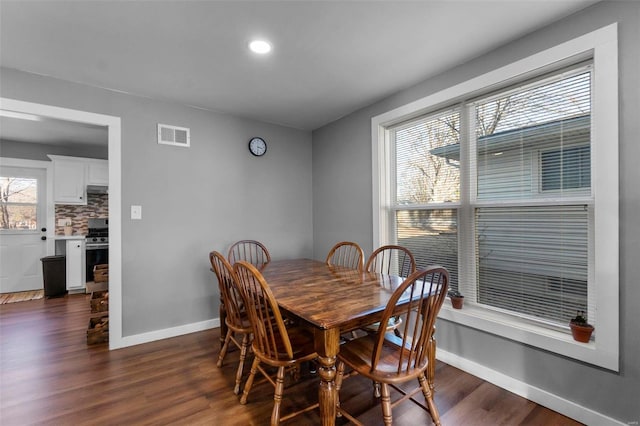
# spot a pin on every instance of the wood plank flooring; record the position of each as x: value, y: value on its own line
x: 49, y: 376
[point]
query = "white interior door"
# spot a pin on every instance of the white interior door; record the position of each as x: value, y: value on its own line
x: 23, y: 221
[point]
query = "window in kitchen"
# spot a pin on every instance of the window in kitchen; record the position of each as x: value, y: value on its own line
x: 18, y: 203
x: 498, y: 186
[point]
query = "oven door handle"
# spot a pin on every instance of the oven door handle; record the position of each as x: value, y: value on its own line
x: 100, y: 247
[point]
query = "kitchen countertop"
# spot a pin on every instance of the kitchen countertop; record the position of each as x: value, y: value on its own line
x: 70, y: 237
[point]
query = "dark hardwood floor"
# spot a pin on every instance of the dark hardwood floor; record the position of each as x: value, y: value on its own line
x: 48, y: 375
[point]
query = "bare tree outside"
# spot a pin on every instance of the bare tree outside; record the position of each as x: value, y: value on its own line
x: 423, y: 177
x: 18, y: 203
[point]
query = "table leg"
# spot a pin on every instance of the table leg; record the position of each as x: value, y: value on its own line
x: 327, y: 345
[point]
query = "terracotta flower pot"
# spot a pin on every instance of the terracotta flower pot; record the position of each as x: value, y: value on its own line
x: 457, y: 301
x: 581, y: 332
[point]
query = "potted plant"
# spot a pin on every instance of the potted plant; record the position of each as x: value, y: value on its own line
x: 457, y: 299
x: 68, y: 227
x: 580, y: 328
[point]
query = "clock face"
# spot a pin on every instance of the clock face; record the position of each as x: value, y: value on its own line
x: 257, y: 146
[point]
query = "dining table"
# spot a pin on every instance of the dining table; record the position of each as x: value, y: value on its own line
x: 330, y: 300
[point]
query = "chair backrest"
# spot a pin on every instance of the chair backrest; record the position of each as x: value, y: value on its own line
x: 270, y: 336
x: 347, y: 254
x: 392, y: 260
x: 250, y: 251
x: 427, y: 290
x: 229, y: 288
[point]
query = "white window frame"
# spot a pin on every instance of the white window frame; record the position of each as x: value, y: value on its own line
x: 602, y: 47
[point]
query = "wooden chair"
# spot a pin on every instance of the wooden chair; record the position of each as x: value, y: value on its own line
x: 250, y: 251
x: 347, y: 254
x: 273, y: 343
x: 236, y: 318
x: 390, y: 260
x: 392, y: 360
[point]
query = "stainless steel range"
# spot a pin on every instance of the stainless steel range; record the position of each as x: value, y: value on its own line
x: 98, y: 234
x: 97, y: 244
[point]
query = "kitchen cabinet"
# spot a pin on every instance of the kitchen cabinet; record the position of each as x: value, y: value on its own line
x: 69, y: 180
x: 97, y: 172
x: 75, y: 251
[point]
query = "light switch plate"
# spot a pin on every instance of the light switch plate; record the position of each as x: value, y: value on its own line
x: 136, y: 212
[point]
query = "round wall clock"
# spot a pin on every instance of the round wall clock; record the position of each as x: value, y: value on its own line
x: 257, y: 146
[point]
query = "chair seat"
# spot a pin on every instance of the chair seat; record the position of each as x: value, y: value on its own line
x: 356, y: 353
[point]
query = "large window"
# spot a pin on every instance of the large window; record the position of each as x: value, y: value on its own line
x: 532, y: 243
x: 499, y: 186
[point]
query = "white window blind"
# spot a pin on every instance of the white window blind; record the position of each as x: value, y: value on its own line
x: 532, y: 207
x: 422, y: 177
x: 533, y: 260
x: 428, y: 189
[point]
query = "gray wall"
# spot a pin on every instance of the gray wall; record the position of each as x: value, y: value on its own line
x: 342, y: 210
x: 193, y: 200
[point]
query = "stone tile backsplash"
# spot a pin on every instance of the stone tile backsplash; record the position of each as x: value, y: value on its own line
x: 97, y: 207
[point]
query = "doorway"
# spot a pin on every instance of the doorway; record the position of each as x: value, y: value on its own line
x: 113, y: 126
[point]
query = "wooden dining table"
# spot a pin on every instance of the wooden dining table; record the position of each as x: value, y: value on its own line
x: 331, y: 300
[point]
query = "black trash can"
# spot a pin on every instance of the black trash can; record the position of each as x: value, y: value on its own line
x: 54, y: 274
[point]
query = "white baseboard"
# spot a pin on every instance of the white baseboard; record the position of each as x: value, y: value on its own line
x: 166, y: 333
x: 525, y: 390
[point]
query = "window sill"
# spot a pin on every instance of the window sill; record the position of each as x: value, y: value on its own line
x: 555, y: 341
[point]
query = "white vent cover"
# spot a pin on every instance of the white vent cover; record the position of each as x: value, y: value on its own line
x: 174, y: 135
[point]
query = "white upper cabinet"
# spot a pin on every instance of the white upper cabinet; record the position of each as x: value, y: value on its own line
x: 69, y: 180
x: 97, y: 172
x: 71, y: 175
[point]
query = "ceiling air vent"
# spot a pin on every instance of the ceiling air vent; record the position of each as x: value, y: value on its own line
x: 173, y: 135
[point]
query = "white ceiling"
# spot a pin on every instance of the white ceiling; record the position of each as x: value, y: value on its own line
x: 330, y: 58
x: 50, y: 131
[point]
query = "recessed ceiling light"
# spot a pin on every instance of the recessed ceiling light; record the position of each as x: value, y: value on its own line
x: 260, y: 46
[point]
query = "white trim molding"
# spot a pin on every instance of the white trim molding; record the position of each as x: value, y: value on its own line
x: 151, y: 336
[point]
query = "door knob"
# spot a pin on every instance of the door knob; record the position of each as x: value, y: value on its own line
x: 44, y: 229
x: 43, y: 238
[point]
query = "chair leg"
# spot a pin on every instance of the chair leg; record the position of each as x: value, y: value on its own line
x: 386, y: 405
x: 247, y: 386
x: 277, y: 397
x: 428, y: 396
x: 225, y: 346
x: 243, y: 355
